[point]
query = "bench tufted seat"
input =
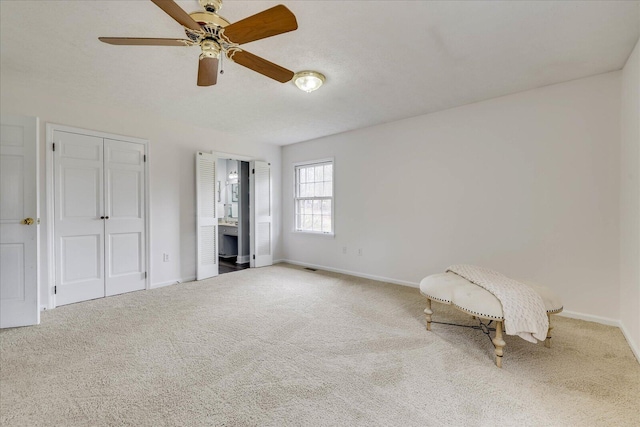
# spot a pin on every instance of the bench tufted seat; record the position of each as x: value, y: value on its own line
x: 449, y: 288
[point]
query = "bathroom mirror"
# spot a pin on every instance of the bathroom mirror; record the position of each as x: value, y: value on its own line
x: 231, y: 207
x: 234, y: 192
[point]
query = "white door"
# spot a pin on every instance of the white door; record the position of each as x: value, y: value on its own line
x: 207, y: 221
x: 79, y: 217
x: 124, y: 217
x: 99, y: 224
x: 19, y: 295
x: 261, y: 214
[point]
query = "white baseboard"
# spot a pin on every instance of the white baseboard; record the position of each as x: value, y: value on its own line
x: 171, y: 282
x: 352, y: 273
x: 633, y: 345
x: 163, y: 284
x: 590, y: 318
x: 243, y: 259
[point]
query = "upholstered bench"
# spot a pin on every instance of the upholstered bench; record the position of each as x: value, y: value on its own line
x: 449, y: 288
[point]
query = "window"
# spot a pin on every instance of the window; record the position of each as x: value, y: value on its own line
x: 314, y: 197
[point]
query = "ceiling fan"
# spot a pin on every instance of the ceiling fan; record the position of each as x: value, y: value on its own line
x: 215, y: 35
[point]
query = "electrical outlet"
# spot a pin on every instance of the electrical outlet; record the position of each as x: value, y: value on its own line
x: 360, y: 252
x: 165, y: 257
x: 344, y: 250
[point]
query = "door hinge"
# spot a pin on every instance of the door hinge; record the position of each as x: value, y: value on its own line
x: 254, y: 257
x: 144, y: 158
x: 145, y: 274
x: 55, y: 289
x: 253, y: 171
x: 53, y: 146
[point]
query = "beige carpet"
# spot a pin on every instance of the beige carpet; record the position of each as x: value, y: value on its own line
x: 281, y: 346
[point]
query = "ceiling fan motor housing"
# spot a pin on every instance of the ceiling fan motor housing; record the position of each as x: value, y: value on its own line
x: 209, y: 19
x: 209, y: 40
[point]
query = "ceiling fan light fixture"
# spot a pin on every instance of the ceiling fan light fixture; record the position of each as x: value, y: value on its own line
x: 210, y: 49
x: 308, y: 81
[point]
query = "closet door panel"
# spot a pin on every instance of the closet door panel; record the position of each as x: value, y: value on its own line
x: 261, y: 230
x: 125, y: 209
x: 206, y: 219
x: 79, y: 206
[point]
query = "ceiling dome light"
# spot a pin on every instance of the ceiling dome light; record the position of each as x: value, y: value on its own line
x: 308, y: 81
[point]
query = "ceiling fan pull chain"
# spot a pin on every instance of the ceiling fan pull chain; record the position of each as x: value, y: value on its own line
x: 222, y: 63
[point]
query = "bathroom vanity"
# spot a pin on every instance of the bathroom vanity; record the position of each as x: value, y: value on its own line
x: 227, y: 240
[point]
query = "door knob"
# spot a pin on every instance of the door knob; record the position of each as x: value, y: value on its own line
x: 27, y: 221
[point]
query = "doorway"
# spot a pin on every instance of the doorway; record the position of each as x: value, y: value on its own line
x: 232, y: 204
x: 232, y: 220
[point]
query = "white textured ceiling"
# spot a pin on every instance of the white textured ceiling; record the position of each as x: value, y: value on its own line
x: 384, y: 60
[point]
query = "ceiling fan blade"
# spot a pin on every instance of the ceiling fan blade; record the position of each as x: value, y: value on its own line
x: 132, y: 41
x: 260, y: 65
x: 208, y: 71
x: 270, y: 22
x: 177, y: 13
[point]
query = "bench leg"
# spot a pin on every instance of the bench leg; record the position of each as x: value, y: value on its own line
x: 547, y: 342
x: 499, y: 343
x: 428, y: 313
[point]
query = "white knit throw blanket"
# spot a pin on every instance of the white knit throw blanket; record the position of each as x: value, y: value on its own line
x: 523, y: 308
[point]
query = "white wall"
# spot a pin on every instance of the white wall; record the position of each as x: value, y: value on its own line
x: 630, y: 202
x: 171, y: 164
x: 527, y: 184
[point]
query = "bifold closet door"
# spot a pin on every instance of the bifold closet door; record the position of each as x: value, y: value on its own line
x: 125, y: 217
x: 262, y: 216
x: 79, y: 206
x: 100, y: 240
x: 206, y: 220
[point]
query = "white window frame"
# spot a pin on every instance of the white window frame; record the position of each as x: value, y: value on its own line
x: 333, y: 195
